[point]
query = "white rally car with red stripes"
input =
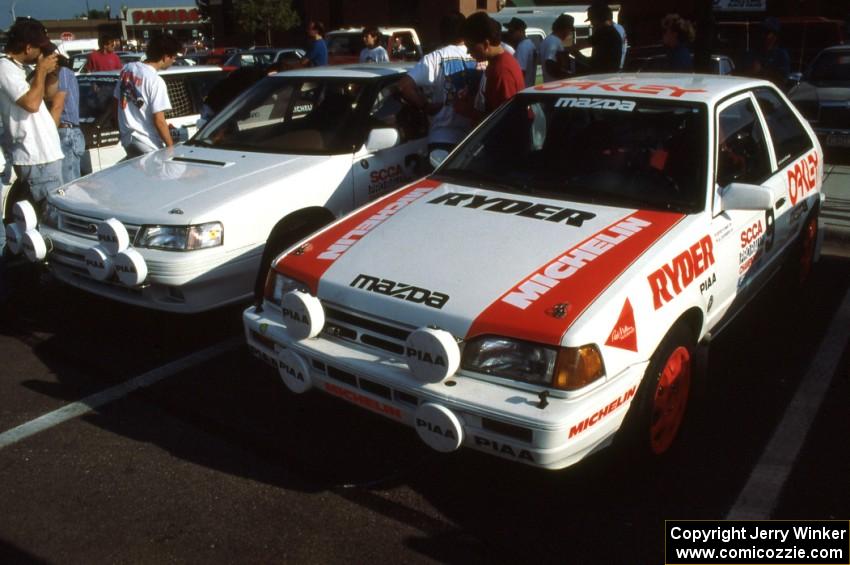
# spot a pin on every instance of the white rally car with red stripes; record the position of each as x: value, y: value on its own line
x: 557, y: 278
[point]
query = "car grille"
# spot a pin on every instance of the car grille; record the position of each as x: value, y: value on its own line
x: 348, y: 325
x: 86, y: 226
x: 834, y: 116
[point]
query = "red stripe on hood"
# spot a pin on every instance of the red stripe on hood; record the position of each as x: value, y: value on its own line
x: 534, y: 308
x: 309, y: 264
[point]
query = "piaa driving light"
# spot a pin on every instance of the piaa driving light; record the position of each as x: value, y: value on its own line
x: 565, y: 368
x: 181, y: 238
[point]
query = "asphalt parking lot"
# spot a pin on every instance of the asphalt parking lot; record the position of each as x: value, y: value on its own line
x: 217, y: 462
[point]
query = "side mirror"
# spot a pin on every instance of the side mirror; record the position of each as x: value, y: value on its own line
x: 740, y: 196
x: 381, y: 138
x: 795, y: 78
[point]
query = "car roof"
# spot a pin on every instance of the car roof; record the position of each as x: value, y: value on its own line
x: 708, y: 89
x: 173, y: 70
x: 353, y: 70
x: 268, y: 50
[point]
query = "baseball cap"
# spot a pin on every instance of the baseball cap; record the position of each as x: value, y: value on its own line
x: 516, y: 23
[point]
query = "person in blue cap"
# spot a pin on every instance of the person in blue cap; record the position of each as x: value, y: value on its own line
x: 769, y: 61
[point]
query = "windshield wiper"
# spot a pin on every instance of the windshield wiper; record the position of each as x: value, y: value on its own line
x: 479, y: 179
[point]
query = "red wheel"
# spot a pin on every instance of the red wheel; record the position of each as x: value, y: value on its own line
x: 657, y: 412
x: 670, y: 400
x: 808, y: 239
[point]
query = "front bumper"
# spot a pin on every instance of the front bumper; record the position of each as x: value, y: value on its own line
x: 180, y: 282
x: 490, y: 417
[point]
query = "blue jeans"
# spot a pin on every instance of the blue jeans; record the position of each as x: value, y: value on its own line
x: 73, y: 147
x: 41, y: 178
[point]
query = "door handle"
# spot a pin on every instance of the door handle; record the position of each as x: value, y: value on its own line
x: 780, y: 202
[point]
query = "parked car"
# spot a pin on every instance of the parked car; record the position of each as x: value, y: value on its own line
x: 720, y: 64
x: 822, y: 96
x: 554, y: 282
x: 263, y: 58
x: 187, y: 87
x: 401, y: 43
x: 186, y: 229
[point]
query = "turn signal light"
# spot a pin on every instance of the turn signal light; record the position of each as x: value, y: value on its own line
x: 577, y: 367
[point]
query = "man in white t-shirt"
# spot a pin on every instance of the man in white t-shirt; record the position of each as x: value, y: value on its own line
x: 29, y: 130
x: 373, y: 52
x: 450, y: 77
x: 552, y: 56
x: 525, y: 53
x: 143, y: 99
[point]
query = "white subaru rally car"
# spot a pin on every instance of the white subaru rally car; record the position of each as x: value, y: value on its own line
x: 556, y: 277
x: 185, y: 229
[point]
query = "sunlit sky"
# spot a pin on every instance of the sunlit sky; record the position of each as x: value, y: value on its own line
x: 61, y: 9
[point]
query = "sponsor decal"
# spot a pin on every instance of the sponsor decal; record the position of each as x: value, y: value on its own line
x: 433, y: 428
x: 756, y: 239
x: 723, y: 232
x: 591, y: 421
x: 335, y: 250
x: 293, y: 372
x: 576, y: 277
x: 707, y: 283
x: 569, y: 264
x: 386, y: 179
x: 296, y: 316
x: 125, y: 268
x: 518, y: 207
x: 503, y: 448
x: 363, y: 401
x: 302, y: 109
x: 597, y: 103
x: 681, y: 272
x: 425, y: 356
x: 803, y: 177
x: 331, y: 243
x: 668, y: 90
x: 624, y: 334
x: 402, y: 291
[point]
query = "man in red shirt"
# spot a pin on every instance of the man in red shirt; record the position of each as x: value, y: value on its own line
x: 104, y: 59
x: 503, y: 77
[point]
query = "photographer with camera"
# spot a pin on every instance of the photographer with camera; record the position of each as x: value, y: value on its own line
x: 143, y: 99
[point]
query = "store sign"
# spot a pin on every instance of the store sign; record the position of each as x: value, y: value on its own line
x: 144, y: 16
x: 740, y: 5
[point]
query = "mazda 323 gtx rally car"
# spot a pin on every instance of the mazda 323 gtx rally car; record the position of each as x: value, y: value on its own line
x: 552, y: 281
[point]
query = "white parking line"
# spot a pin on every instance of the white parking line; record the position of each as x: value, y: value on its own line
x: 760, y: 495
x: 112, y: 394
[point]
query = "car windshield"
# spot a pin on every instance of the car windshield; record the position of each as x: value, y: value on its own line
x: 285, y: 114
x: 248, y: 59
x: 95, y: 96
x: 831, y: 67
x: 612, y: 151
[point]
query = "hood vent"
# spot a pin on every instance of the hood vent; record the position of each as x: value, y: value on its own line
x: 201, y: 162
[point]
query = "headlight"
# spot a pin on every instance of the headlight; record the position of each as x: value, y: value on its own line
x: 181, y: 238
x: 277, y: 285
x: 566, y: 368
x: 50, y: 215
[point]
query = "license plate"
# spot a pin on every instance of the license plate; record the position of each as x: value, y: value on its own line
x: 838, y: 140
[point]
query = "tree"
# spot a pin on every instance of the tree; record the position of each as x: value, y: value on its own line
x: 266, y: 15
x: 95, y: 15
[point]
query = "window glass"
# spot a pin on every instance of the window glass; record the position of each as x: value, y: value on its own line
x: 790, y: 138
x: 608, y: 151
x: 178, y: 95
x: 742, y: 152
x: 389, y: 111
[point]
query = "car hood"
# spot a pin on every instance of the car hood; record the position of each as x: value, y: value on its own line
x: 475, y: 261
x: 184, y: 182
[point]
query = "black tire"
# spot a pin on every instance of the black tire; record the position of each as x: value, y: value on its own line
x: 281, y: 239
x: 658, y: 410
